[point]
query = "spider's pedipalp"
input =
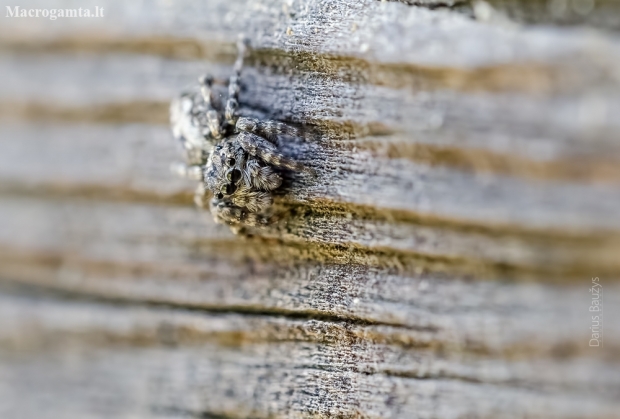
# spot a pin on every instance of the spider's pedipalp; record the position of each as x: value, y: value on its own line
x: 254, y: 201
x: 226, y: 213
x: 261, y: 177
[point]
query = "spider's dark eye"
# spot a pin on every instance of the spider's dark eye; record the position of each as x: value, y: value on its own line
x: 233, y: 175
x: 230, y: 162
x: 230, y: 189
x: 219, y: 195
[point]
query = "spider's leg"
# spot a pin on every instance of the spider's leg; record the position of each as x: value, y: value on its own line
x: 226, y: 213
x: 206, y: 82
x: 232, y: 104
x: 267, y: 152
x: 193, y: 172
x: 267, y: 129
x: 207, y: 112
x: 213, y: 121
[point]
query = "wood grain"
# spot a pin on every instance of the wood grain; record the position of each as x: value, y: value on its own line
x: 438, y: 266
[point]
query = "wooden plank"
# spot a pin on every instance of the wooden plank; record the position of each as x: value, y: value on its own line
x: 191, y: 364
x: 438, y: 266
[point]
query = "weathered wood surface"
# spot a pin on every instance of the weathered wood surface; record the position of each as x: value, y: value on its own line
x: 468, y: 190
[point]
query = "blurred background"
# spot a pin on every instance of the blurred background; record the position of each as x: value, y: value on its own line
x: 457, y: 256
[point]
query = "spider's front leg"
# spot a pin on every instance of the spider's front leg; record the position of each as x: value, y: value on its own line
x: 267, y: 152
x: 266, y: 129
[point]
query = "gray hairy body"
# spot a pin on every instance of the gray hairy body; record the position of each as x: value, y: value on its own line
x: 236, y: 158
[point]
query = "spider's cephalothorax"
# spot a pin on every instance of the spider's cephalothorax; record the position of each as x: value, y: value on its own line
x: 235, y: 158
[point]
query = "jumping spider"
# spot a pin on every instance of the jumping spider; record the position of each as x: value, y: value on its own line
x: 236, y: 158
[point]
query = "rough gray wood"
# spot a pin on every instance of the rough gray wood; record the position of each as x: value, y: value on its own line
x: 159, y: 362
x: 439, y: 265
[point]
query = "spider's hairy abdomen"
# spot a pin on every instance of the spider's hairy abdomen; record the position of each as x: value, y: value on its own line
x: 237, y: 157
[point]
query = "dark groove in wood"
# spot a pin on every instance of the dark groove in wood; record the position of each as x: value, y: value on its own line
x: 51, y: 291
x: 348, y: 331
x: 162, y: 46
x: 149, y: 112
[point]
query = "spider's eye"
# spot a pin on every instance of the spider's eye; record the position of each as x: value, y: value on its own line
x: 230, y: 162
x: 233, y: 175
x: 230, y: 189
x: 219, y: 195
